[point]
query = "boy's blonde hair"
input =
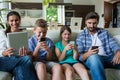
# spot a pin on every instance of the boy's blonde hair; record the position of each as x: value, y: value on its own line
x: 41, y: 23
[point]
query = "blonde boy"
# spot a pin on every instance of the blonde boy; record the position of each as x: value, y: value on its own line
x: 42, y: 47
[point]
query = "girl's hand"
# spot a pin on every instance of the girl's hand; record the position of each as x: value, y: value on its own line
x: 68, y: 46
x: 73, y: 46
x: 8, y: 52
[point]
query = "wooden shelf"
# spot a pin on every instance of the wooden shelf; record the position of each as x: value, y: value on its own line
x: 21, y: 5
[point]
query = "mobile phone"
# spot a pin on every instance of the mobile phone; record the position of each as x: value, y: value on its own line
x: 94, y: 47
x: 72, y: 42
x: 42, y: 39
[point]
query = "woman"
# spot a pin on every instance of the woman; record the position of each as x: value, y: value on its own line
x: 67, y: 54
x: 20, y: 66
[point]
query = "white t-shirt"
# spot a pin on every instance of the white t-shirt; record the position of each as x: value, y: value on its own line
x: 3, y: 42
x: 97, y: 42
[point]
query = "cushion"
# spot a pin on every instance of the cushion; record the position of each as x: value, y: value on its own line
x: 5, y: 76
x: 117, y: 38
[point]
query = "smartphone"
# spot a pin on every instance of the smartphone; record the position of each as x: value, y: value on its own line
x: 42, y: 39
x: 72, y: 42
x: 94, y: 47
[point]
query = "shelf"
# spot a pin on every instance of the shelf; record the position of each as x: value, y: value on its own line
x: 22, y: 5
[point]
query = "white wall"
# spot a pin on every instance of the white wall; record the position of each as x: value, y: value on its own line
x: 85, y: 2
x: 82, y: 2
x: 99, y: 6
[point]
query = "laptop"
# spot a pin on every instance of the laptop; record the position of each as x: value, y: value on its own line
x: 17, y: 40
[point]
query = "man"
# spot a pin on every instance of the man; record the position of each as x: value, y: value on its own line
x: 105, y: 53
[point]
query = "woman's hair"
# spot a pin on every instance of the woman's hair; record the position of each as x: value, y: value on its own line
x: 10, y: 14
x: 41, y: 23
x: 13, y: 13
x: 65, y: 28
x: 92, y: 15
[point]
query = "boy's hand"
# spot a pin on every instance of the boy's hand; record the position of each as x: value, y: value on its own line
x: 42, y: 45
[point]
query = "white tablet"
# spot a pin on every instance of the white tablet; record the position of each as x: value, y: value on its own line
x: 17, y: 40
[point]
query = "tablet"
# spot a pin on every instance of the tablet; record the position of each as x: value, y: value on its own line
x: 17, y: 40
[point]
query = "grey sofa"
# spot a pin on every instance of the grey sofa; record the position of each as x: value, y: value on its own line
x: 111, y: 74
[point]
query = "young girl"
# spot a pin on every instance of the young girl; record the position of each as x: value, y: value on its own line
x: 67, y: 55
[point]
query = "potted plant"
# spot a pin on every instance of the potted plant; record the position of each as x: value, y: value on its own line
x: 2, y: 24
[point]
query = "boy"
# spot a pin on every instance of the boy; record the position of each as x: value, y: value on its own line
x: 42, y: 48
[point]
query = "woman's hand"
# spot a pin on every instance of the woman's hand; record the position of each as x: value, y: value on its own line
x: 8, y: 52
x: 22, y: 51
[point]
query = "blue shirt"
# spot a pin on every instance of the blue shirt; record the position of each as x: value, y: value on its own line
x: 84, y: 42
x: 42, y: 53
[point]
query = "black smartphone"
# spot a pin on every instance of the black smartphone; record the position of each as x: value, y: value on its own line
x: 42, y: 39
x: 94, y: 47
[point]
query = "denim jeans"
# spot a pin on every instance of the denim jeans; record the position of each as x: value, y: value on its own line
x: 21, y: 67
x: 107, y: 61
x: 96, y: 65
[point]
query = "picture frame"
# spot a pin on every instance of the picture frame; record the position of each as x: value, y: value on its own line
x: 76, y: 23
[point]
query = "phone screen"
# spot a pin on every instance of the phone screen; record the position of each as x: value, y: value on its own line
x: 94, y: 47
x: 42, y: 39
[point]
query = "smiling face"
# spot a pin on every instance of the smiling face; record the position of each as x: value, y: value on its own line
x: 91, y: 24
x: 14, y: 22
x: 40, y: 32
x: 65, y: 35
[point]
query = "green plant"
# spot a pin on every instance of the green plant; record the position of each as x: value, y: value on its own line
x: 46, y: 2
x: 51, y: 13
x: 2, y: 24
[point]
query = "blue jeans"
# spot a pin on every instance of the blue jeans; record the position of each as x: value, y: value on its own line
x: 107, y: 61
x: 21, y: 67
x: 96, y: 64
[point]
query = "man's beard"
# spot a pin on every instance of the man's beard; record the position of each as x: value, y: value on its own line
x: 92, y: 30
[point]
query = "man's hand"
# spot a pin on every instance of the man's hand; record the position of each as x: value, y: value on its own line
x: 92, y: 51
x: 89, y: 53
x: 116, y: 59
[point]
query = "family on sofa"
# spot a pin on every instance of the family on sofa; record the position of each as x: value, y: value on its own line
x: 94, y: 50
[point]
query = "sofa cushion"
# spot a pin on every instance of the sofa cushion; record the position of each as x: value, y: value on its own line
x: 5, y: 76
x: 117, y: 38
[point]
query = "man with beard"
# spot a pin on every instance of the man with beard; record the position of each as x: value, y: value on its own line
x: 97, y: 48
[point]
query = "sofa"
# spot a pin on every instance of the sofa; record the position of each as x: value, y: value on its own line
x: 111, y: 74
